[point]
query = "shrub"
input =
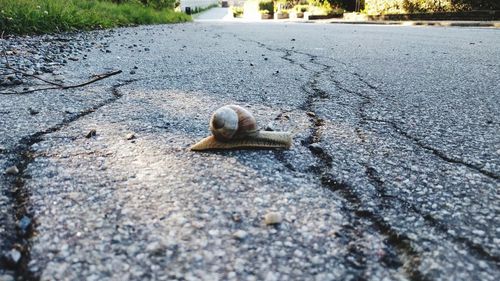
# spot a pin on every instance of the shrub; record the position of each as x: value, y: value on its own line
x: 266, y: 5
x: 320, y: 7
x: 237, y: 11
x: 428, y: 6
x: 301, y: 8
x: 158, y: 4
x: 477, y: 4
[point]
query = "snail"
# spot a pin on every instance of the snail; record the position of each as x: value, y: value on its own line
x: 233, y: 126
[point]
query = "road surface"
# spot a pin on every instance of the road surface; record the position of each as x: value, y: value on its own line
x: 393, y: 173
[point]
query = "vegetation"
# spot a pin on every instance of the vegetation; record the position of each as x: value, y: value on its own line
x: 156, y: 4
x: 315, y: 7
x: 198, y: 10
x: 46, y: 16
x: 427, y: 6
x: 266, y: 5
x: 301, y: 8
x: 325, y: 7
x: 237, y: 11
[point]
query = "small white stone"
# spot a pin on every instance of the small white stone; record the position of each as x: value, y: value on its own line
x: 6, y: 278
x: 478, y: 232
x: 483, y: 264
x: 14, y: 256
x: 273, y: 218
x: 298, y: 253
x: 154, y: 247
x: 198, y: 224
x: 12, y: 170
x: 130, y: 136
x: 240, y: 234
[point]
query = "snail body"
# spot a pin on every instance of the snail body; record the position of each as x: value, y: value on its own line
x: 232, y: 127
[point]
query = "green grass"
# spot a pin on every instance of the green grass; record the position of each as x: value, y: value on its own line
x: 47, y: 16
x: 198, y: 10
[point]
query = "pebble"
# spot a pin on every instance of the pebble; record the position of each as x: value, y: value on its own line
x: 17, y: 81
x: 33, y: 111
x: 311, y: 114
x: 6, y: 277
x: 316, y: 148
x: 269, y: 127
x: 46, y: 69
x: 91, y: 133
x: 240, y: 234
x: 13, y: 256
x: 273, y: 218
x: 2, y: 149
x: 155, y: 247
x: 132, y: 72
x: 12, y: 170
x: 478, y: 232
x: 5, y: 82
x: 24, y: 224
x: 130, y: 136
x: 236, y: 217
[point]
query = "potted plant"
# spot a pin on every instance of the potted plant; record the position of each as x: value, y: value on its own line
x: 298, y: 11
x: 265, y: 15
x: 282, y: 14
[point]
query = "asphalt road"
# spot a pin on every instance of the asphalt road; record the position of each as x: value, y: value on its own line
x: 393, y: 174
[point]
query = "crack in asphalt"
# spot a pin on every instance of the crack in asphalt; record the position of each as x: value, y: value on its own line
x: 372, y: 175
x: 401, y: 253
x: 400, y: 242
x: 22, y: 155
x: 477, y: 250
x: 418, y: 142
x: 406, y: 256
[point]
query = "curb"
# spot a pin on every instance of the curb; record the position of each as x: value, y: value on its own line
x: 425, y: 23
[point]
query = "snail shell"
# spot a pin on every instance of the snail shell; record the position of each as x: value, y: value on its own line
x: 232, y: 122
x: 233, y: 126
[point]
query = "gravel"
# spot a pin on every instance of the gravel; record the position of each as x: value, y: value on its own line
x: 37, y: 55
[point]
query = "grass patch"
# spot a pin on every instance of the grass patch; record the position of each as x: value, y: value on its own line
x: 198, y: 10
x: 47, y: 16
